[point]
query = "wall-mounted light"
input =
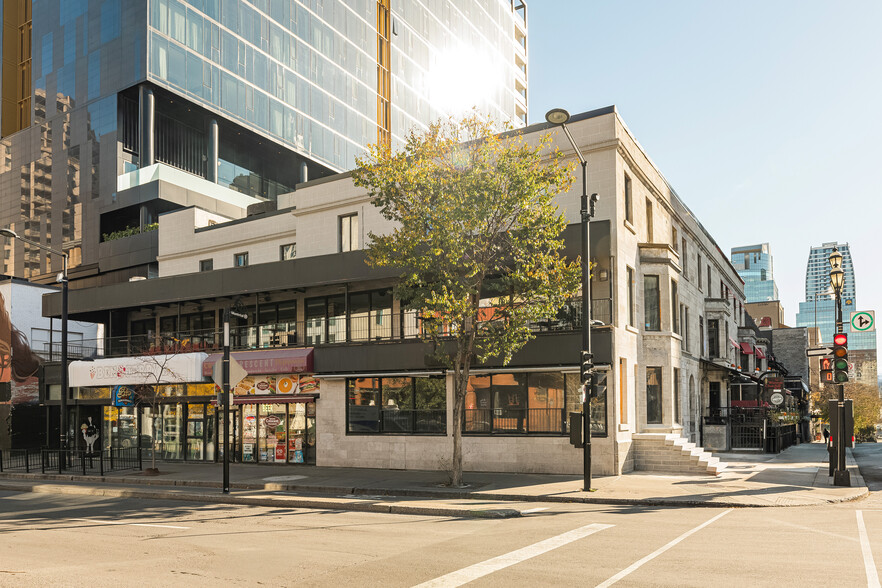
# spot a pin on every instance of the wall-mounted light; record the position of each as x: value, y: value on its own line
x: 603, y: 275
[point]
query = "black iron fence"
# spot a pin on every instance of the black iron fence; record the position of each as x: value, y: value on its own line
x: 70, y: 461
x: 20, y: 460
x: 779, y: 438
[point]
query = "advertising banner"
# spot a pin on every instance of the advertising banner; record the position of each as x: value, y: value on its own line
x: 122, y: 396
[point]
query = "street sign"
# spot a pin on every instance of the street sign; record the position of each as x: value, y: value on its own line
x: 237, y: 372
x: 864, y: 320
x: 818, y: 351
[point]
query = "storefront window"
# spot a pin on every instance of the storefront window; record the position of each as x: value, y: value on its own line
x: 653, y: 395
x: 397, y: 405
x: 272, y: 437
x: 537, y: 402
x: 201, y: 390
x: 249, y: 432
x: 91, y: 393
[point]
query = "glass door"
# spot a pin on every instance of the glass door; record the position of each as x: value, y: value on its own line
x: 171, y: 431
x: 195, y: 432
x: 210, y: 436
x: 249, y: 433
x: 272, y: 433
x: 297, y: 433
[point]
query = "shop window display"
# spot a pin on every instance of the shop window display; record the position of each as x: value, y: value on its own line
x: 396, y: 405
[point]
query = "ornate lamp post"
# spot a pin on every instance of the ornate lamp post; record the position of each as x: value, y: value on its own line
x: 837, y: 278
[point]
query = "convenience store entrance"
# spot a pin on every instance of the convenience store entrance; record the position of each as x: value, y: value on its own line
x: 272, y: 432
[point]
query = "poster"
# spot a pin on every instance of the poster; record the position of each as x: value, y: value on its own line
x: 298, y: 457
x: 248, y: 452
x: 280, y: 452
x: 309, y: 385
x: 123, y: 396
x: 288, y: 384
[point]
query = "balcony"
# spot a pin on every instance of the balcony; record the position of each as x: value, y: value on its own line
x: 375, y: 327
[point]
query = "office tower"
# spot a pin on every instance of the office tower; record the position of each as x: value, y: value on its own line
x: 116, y: 111
x: 754, y: 264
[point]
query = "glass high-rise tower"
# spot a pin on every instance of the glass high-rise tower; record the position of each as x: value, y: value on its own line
x: 819, y: 308
x: 116, y: 111
x: 754, y: 264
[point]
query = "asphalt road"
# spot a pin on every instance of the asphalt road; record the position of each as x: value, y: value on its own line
x: 55, y: 540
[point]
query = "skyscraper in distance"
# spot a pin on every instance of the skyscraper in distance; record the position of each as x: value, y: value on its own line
x: 819, y: 308
x: 754, y: 264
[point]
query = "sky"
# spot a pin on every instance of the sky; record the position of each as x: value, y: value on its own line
x: 765, y: 116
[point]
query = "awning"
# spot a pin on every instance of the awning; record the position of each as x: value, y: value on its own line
x: 275, y: 399
x: 734, y: 343
x: 145, y: 369
x: 746, y: 349
x: 267, y: 361
x: 760, y: 354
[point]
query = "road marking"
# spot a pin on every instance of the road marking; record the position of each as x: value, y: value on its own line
x: 479, y: 570
x: 130, y: 524
x: 531, y: 510
x: 661, y: 550
x: 869, y: 564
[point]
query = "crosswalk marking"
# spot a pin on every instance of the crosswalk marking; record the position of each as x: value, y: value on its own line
x: 479, y: 570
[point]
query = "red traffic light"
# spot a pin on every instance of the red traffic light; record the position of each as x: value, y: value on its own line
x: 840, y: 339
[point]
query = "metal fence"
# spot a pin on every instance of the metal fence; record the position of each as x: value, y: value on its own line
x: 373, y: 325
x: 780, y: 438
x: 70, y: 461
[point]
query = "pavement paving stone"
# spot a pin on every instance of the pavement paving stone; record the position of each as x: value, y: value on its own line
x: 795, y: 477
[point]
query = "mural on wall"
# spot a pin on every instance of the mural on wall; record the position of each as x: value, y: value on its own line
x: 18, y: 362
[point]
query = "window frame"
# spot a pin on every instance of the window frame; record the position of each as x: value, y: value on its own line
x: 629, y: 200
x: 206, y: 265
x: 654, y: 325
x: 244, y: 256
x: 282, y: 256
x: 629, y: 273
x: 383, y: 402
x: 346, y: 228
x: 657, y: 393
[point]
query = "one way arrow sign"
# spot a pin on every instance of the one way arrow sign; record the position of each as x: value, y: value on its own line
x: 818, y: 351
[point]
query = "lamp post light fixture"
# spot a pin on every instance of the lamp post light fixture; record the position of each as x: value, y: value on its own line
x: 841, y: 476
x: 559, y: 117
x: 62, y: 278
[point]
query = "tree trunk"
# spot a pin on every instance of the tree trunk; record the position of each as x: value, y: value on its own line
x: 458, y: 405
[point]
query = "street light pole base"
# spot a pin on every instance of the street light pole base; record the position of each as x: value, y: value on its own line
x: 841, y: 478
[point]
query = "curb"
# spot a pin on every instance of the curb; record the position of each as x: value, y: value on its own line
x: 282, y: 501
x: 311, y: 491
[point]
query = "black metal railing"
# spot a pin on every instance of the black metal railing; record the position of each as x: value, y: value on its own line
x: 19, y: 460
x: 376, y: 325
x: 78, y: 461
x: 515, y: 420
x: 779, y: 438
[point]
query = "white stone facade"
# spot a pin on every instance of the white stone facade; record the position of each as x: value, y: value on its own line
x: 657, y: 236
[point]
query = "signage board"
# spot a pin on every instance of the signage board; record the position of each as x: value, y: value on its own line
x: 863, y: 320
x: 237, y: 372
x: 272, y: 421
x: 777, y: 398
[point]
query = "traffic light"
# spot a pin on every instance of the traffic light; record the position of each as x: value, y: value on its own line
x: 826, y: 370
x: 840, y: 358
x: 585, y: 366
x: 598, y: 390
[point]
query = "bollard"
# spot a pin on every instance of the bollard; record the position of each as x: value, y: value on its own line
x: 832, y: 455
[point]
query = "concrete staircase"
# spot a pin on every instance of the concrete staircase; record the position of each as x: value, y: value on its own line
x: 669, y: 453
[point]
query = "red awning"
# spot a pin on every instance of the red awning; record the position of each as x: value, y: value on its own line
x: 267, y: 361
x: 760, y: 354
x: 746, y: 349
x: 275, y: 399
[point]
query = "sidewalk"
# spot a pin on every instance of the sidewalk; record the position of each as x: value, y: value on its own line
x: 795, y: 477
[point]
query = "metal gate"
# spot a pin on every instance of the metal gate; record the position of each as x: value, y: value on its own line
x: 746, y: 428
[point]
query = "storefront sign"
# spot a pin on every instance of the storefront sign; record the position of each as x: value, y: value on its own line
x: 123, y: 396
x: 309, y: 385
x: 274, y: 361
x: 148, y: 369
x: 777, y: 398
x: 272, y: 421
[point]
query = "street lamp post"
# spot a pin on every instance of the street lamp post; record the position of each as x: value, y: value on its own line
x: 841, y: 476
x: 559, y: 117
x: 62, y: 277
